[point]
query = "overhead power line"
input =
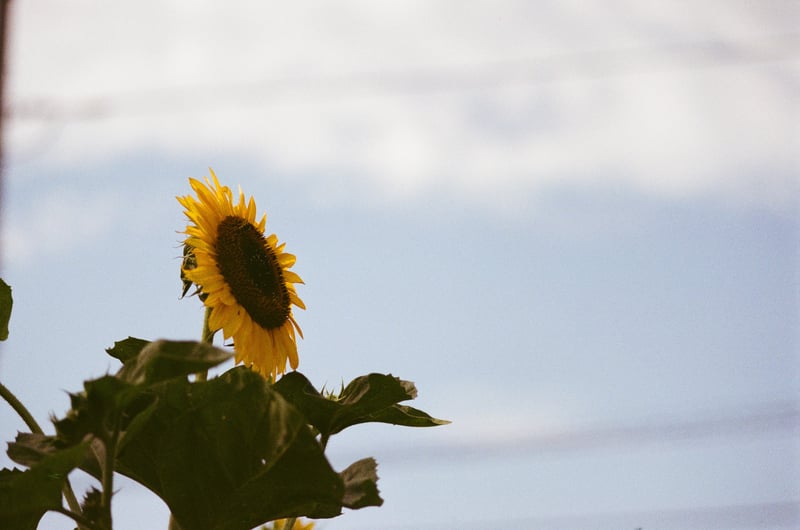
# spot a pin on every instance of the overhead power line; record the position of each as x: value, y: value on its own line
x: 772, y: 515
x: 781, y: 417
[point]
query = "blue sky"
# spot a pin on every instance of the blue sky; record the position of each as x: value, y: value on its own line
x: 575, y: 228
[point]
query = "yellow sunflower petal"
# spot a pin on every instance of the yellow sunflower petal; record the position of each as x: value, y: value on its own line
x: 291, y: 277
x: 251, y: 210
x: 287, y: 260
x: 296, y: 326
x: 296, y: 300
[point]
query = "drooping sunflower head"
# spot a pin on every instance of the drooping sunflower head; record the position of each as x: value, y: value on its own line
x: 242, y: 275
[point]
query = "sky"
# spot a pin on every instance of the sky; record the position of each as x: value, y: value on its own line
x: 574, y: 225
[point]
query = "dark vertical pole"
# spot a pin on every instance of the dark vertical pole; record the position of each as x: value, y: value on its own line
x: 3, y: 113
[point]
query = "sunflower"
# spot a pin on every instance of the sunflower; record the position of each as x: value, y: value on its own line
x: 243, y: 277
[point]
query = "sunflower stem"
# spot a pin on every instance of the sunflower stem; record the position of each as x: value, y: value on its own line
x: 73, y: 503
x: 20, y: 409
x: 108, y: 474
x: 82, y: 521
x: 208, y: 338
x: 33, y: 425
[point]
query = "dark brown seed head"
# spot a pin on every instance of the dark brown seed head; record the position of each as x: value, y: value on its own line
x: 251, y: 270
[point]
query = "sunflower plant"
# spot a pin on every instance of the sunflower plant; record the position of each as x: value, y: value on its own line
x: 242, y: 450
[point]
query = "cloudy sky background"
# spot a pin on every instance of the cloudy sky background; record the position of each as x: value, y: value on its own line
x: 573, y: 225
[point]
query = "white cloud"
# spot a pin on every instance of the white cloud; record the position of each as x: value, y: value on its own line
x: 490, y: 102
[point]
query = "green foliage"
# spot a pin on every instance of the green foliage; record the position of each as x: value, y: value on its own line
x: 162, y: 360
x: 106, y: 406
x: 29, y: 448
x: 369, y: 398
x: 92, y: 505
x: 361, y: 484
x: 5, y: 308
x: 230, y: 453
x: 127, y: 349
x: 26, y: 495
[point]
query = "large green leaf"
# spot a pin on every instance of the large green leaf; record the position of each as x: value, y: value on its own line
x: 230, y: 454
x: 162, y: 360
x: 5, y: 308
x: 369, y: 398
x: 26, y: 495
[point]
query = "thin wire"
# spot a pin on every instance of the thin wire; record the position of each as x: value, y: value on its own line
x: 776, y: 418
x: 779, y: 514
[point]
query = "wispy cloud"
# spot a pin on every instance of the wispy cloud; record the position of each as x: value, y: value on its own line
x: 488, y: 103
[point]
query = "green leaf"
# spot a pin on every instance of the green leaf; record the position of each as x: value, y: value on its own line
x: 299, y: 391
x: 121, y: 404
x: 361, y: 484
x: 22, y: 499
x: 137, y: 417
x: 107, y: 405
x: 28, y: 449
x: 405, y: 416
x: 92, y: 507
x: 126, y: 349
x: 6, y: 301
x: 230, y: 454
x: 162, y: 360
x: 26, y: 495
x: 368, y: 394
x: 369, y: 398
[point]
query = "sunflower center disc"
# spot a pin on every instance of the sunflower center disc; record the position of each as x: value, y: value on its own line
x: 251, y: 269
